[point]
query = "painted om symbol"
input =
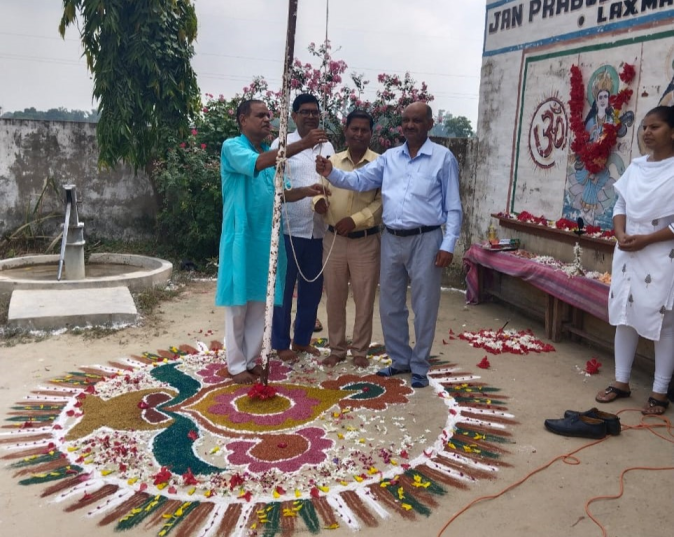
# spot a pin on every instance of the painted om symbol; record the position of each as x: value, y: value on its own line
x: 548, y: 132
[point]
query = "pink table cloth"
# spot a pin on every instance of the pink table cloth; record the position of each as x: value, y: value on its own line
x: 584, y: 293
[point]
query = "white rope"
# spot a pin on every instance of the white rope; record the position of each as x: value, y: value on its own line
x: 292, y: 244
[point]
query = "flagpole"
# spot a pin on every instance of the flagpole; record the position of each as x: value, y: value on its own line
x: 278, y: 186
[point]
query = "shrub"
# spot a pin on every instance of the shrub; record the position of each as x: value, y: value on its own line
x: 190, y: 215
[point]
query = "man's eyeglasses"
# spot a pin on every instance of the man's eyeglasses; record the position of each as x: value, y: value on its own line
x: 309, y: 112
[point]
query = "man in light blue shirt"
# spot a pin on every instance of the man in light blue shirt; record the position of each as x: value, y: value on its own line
x: 419, y: 183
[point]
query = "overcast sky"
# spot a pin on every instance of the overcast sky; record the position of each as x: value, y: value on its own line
x: 438, y: 41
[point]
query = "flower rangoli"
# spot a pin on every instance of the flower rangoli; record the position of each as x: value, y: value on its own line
x: 160, y: 438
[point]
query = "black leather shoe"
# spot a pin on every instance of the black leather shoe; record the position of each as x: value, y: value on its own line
x: 577, y: 425
x: 611, y: 420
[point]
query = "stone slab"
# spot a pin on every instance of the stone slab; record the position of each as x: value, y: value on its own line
x: 43, y: 309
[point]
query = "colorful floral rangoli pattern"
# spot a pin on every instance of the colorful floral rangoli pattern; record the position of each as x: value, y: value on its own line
x: 163, y: 438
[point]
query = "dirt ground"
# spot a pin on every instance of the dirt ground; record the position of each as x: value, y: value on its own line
x: 550, y: 504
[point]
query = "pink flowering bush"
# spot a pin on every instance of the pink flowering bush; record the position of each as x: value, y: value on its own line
x: 327, y: 82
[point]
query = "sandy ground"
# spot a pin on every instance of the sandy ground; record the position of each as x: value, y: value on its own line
x: 550, y: 504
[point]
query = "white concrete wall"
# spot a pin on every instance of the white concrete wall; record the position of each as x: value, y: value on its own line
x: 116, y: 204
x: 529, y: 48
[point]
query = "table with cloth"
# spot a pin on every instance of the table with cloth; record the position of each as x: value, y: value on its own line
x: 580, y: 293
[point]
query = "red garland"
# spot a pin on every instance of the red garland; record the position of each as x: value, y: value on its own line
x: 563, y: 224
x: 594, y: 155
x: 260, y: 391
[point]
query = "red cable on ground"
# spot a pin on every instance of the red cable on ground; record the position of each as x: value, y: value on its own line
x: 568, y: 458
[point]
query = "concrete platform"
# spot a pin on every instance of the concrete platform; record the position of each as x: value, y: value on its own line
x: 67, y: 308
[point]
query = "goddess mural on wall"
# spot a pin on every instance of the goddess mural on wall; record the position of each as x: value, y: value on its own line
x: 590, y: 195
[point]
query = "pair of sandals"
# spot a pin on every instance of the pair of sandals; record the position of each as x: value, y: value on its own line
x: 654, y: 407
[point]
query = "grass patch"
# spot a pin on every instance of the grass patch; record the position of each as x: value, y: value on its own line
x: 94, y: 332
x: 10, y: 337
x: 149, y: 300
x: 4, y: 309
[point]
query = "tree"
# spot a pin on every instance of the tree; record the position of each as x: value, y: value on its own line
x: 139, y: 55
x: 458, y: 127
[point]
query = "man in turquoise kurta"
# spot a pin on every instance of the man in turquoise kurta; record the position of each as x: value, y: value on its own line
x: 247, y: 172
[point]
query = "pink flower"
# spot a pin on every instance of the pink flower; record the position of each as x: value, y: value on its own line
x: 221, y: 97
x: 194, y: 132
x: 203, y: 146
x: 182, y: 145
x: 205, y: 110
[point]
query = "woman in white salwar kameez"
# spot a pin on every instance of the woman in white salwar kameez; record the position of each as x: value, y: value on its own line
x: 642, y: 283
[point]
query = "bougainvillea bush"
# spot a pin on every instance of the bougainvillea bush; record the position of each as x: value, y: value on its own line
x: 338, y: 97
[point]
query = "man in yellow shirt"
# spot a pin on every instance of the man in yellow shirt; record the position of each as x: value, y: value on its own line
x: 351, y: 247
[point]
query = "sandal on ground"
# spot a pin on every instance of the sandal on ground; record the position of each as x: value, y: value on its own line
x: 318, y: 326
x: 391, y: 371
x: 611, y: 394
x: 655, y: 407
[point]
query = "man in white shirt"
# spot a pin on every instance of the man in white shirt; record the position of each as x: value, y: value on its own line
x: 303, y: 232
